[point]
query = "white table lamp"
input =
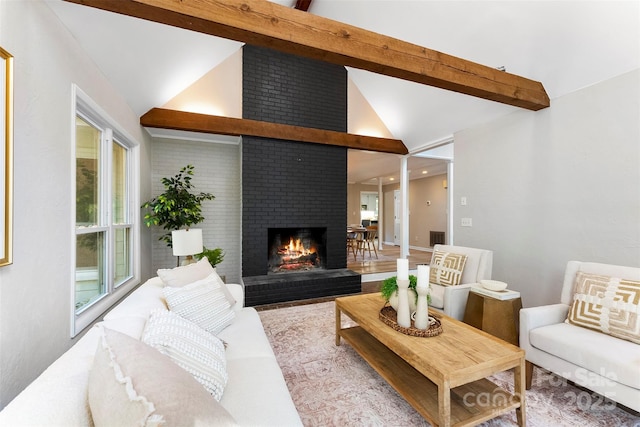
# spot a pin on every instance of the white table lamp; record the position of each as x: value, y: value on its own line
x: 187, y: 243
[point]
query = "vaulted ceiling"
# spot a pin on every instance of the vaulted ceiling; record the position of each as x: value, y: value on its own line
x: 566, y: 45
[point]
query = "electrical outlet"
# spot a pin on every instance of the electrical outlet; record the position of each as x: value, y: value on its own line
x: 466, y: 222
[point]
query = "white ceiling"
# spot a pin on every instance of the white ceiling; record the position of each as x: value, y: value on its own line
x: 566, y: 45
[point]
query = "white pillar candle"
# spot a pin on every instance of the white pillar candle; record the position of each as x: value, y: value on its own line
x: 403, y: 312
x: 423, y: 276
x: 422, y: 308
x: 403, y: 269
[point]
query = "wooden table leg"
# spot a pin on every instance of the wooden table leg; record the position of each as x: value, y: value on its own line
x: 444, y: 405
x: 338, y: 324
x: 519, y: 382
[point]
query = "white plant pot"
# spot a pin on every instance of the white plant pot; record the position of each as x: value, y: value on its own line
x: 393, y: 301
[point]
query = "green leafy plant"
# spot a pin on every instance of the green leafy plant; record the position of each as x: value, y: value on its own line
x: 390, y: 286
x: 177, y: 207
x: 215, y: 256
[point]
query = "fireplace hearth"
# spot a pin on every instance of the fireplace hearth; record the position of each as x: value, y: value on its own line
x: 276, y: 288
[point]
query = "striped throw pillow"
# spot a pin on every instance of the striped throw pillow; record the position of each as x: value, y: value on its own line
x: 607, y: 304
x: 190, y: 347
x: 203, y: 302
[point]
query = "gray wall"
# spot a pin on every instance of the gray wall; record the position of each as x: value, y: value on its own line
x: 555, y: 185
x: 217, y: 171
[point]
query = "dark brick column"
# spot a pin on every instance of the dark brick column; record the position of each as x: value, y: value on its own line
x: 287, y: 183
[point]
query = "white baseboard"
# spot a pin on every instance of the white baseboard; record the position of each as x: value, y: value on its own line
x: 421, y: 249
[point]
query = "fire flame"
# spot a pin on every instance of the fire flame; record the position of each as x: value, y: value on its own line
x: 295, y: 249
x: 295, y: 256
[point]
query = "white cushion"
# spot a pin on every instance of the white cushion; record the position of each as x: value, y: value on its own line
x: 58, y: 397
x: 132, y: 326
x: 245, y: 337
x: 601, y: 353
x: 437, y: 295
x: 183, y: 275
x: 191, y: 347
x: 145, y: 299
x: 237, y: 293
x: 259, y: 380
x: 131, y: 383
x: 227, y: 293
x: 203, y: 302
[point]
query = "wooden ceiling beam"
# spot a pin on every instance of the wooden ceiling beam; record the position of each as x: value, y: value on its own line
x: 267, y: 24
x: 303, y: 5
x: 195, y: 122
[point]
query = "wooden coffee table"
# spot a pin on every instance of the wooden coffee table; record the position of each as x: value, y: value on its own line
x: 442, y: 377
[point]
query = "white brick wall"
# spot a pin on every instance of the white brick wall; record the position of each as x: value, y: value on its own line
x: 217, y: 171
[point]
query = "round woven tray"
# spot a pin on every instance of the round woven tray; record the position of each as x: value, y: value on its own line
x: 390, y: 317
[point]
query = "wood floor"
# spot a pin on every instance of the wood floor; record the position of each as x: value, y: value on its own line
x: 369, y: 267
x: 386, y: 260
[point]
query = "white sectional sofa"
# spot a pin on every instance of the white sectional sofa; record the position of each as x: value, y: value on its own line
x: 606, y: 364
x: 255, y: 393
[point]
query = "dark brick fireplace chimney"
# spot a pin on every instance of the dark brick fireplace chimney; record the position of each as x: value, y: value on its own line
x: 289, y: 183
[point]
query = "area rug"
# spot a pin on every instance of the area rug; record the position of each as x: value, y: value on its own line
x: 333, y: 386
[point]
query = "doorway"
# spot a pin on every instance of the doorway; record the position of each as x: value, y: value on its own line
x: 369, y: 208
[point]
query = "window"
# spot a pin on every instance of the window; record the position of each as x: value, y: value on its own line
x: 105, y: 214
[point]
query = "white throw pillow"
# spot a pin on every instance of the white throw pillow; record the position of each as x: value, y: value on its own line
x: 214, y: 276
x: 131, y: 383
x: 186, y: 274
x: 203, y: 302
x: 191, y: 347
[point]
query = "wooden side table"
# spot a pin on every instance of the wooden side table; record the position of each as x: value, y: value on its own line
x: 500, y: 318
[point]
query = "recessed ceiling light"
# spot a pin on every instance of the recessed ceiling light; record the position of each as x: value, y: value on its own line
x: 425, y: 172
x: 391, y: 179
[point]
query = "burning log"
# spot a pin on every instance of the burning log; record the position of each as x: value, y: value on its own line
x: 310, y: 259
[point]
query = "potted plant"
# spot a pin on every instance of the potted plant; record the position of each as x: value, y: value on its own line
x: 389, y: 291
x: 215, y: 256
x: 177, y: 207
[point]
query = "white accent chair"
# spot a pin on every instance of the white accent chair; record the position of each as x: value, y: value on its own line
x: 452, y: 300
x: 607, y: 365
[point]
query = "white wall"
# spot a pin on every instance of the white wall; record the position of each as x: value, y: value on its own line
x: 35, y: 301
x: 217, y: 171
x: 555, y: 185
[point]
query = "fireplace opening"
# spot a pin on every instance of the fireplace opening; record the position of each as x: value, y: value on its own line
x: 296, y: 249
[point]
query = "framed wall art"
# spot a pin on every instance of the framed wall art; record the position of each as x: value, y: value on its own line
x: 6, y: 158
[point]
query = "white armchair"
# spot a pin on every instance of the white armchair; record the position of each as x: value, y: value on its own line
x: 600, y: 362
x: 452, y: 300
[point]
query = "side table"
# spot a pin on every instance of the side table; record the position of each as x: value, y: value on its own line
x: 500, y: 318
